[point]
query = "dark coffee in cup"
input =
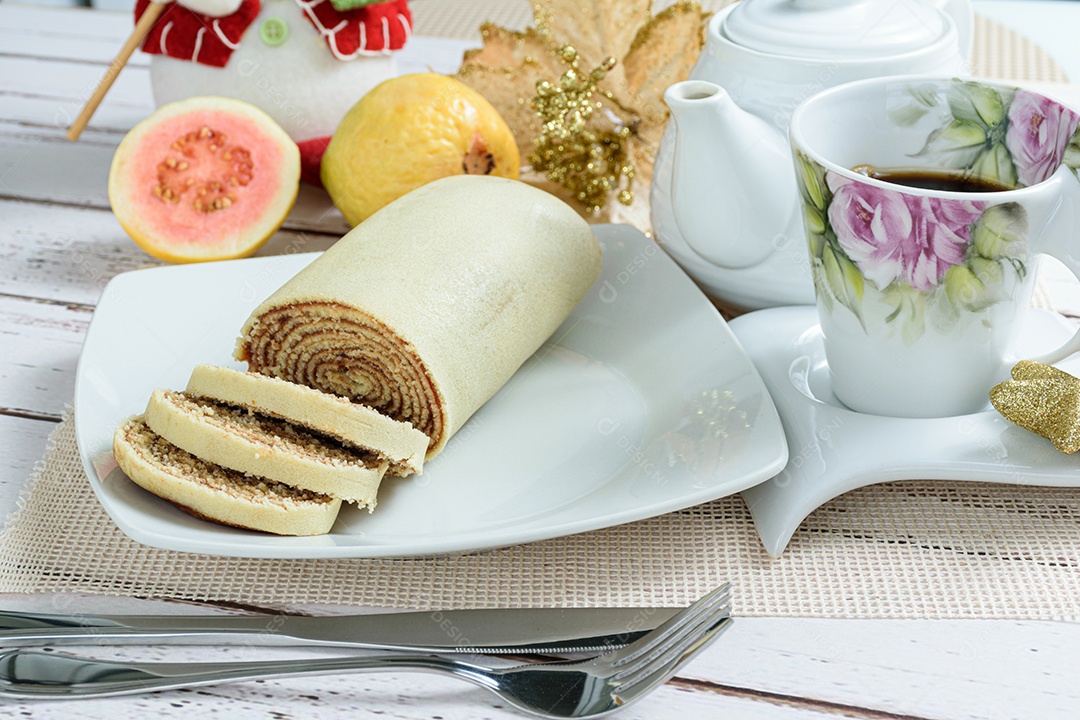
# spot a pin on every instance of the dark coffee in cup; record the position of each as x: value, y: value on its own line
x: 932, y: 178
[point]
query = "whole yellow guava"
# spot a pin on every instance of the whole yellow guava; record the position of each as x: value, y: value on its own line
x: 409, y: 131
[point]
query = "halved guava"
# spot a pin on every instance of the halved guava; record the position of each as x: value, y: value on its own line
x: 207, y: 178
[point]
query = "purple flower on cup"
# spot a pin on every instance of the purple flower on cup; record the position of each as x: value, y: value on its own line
x: 1038, y: 133
x: 871, y: 224
x: 893, y: 236
x: 940, y: 236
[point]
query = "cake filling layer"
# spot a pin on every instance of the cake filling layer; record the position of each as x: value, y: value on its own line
x: 244, y: 440
x: 356, y: 426
x: 171, y: 460
x: 344, y: 351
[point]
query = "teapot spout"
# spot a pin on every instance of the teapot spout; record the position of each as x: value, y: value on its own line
x: 733, y: 181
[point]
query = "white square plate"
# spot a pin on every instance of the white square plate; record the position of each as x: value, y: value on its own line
x: 642, y: 403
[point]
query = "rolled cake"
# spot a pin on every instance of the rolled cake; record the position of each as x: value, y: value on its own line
x: 215, y: 493
x: 240, y: 439
x: 429, y: 306
x: 356, y: 425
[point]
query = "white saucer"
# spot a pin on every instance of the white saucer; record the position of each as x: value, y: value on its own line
x: 833, y: 450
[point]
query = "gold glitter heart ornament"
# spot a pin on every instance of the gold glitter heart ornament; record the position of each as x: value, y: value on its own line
x: 1044, y: 400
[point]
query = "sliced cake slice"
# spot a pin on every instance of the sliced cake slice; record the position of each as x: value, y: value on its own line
x: 400, y: 443
x: 243, y: 440
x: 212, y: 492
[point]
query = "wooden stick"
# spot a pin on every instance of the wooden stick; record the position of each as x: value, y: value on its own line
x: 149, y: 17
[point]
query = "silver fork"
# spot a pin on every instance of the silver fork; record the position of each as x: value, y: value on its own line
x: 560, y: 689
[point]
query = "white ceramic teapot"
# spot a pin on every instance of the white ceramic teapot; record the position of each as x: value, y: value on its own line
x: 724, y: 199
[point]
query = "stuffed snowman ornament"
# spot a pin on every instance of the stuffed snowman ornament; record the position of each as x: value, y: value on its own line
x: 304, y: 62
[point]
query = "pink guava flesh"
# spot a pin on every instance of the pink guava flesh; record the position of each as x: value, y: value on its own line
x: 203, y: 176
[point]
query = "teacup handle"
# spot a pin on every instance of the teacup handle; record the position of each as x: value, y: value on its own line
x: 1062, y: 242
x: 1072, y: 346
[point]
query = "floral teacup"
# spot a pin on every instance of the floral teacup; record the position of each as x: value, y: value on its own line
x: 921, y: 292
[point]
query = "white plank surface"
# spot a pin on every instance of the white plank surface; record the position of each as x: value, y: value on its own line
x: 762, y: 668
x: 38, y: 378
x: 66, y: 253
x: 58, y: 245
x: 23, y: 444
x: 401, y: 696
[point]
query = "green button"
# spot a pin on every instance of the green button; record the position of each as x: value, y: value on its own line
x: 273, y: 31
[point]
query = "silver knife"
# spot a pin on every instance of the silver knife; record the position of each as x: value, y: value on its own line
x: 492, y: 631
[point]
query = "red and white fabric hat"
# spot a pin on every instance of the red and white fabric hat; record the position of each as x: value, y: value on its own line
x: 187, y: 35
x: 349, y: 34
x: 367, y: 30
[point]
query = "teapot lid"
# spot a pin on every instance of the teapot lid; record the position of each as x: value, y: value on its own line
x: 840, y: 29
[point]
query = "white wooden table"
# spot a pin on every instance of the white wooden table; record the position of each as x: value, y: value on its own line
x: 59, y: 245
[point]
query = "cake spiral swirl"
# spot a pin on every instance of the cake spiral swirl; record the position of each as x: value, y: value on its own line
x: 427, y: 308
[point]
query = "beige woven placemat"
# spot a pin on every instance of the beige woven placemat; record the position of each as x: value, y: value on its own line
x: 902, y: 550
x: 914, y: 549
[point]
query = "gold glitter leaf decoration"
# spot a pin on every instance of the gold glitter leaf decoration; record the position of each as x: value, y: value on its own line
x: 596, y: 29
x: 660, y: 53
x: 571, y: 151
x: 621, y: 130
x: 506, y: 70
x: 505, y: 49
x: 1044, y: 400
